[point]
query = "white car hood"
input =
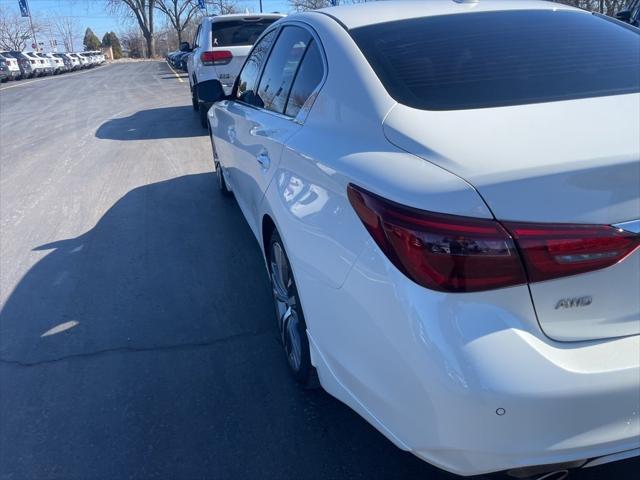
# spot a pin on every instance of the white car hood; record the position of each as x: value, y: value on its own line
x: 569, y: 161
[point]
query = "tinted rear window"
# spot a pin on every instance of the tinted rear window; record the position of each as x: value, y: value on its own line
x: 492, y: 59
x: 233, y: 33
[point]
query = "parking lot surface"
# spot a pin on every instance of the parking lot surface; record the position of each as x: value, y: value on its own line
x: 137, y: 337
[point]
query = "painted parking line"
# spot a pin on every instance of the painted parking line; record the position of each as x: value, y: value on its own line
x: 175, y: 73
x: 52, y: 77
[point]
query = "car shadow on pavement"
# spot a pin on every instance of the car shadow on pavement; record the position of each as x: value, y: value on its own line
x: 153, y: 124
x: 146, y: 348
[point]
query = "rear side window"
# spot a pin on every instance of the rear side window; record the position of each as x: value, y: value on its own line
x: 490, y: 59
x: 248, y: 78
x: 231, y: 33
x: 307, y: 79
x: 281, y: 68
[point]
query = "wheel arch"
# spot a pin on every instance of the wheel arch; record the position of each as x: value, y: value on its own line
x: 268, y: 227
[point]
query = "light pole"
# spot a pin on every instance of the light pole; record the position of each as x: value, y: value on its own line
x: 26, y: 12
x: 260, y: 6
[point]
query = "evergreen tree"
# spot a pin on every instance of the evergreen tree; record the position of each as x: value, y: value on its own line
x: 91, y: 42
x: 110, y: 39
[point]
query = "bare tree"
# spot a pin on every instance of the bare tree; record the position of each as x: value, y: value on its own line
x: 14, y: 30
x: 133, y: 41
x: 67, y: 28
x: 609, y: 7
x: 179, y: 12
x: 142, y: 11
x: 223, y: 7
x: 302, y: 5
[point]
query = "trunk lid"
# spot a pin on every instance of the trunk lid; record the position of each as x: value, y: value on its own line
x: 574, y: 161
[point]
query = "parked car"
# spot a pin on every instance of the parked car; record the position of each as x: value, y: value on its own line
x: 74, y: 62
x: 66, y: 61
x: 220, y: 47
x: 12, y: 64
x: 89, y: 60
x: 40, y: 67
x: 180, y: 61
x: 449, y: 216
x: 95, y: 57
x: 57, y: 62
x: 631, y: 14
x: 50, y: 64
x: 26, y: 71
x: 5, y: 73
x: 82, y: 60
x: 170, y: 56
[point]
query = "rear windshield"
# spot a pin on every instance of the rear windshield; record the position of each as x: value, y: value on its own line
x: 233, y: 33
x: 491, y: 59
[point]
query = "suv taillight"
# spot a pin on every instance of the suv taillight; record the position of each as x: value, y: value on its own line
x: 219, y: 57
x: 453, y: 253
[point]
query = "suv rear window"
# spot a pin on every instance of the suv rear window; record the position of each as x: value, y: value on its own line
x: 490, y: 59
x: 232, y: 33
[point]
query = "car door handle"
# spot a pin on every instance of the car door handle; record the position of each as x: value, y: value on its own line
x: 264, y: 160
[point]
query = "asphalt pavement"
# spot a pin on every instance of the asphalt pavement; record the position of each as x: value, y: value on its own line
x: 137, y: 338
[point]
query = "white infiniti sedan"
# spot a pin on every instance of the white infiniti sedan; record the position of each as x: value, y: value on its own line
x: 447, y: 195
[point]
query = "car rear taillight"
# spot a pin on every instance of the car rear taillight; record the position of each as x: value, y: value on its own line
x: 558, y: 250
x: 448, y: 253
x: 453, y: 253
x: 219, y: 57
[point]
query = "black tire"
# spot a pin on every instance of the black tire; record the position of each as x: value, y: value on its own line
x: 202, y: 111
x: 222, y: 183
x: 194, y: 98
x: 289, y: 315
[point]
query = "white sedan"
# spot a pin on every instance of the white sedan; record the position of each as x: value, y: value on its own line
x: 447, y: 195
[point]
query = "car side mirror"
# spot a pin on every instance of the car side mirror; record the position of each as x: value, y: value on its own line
x: 185, y: 47
x: 624, y: 16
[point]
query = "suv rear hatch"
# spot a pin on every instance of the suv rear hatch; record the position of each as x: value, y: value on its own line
x: 540, y: 112
x: 232, y: 41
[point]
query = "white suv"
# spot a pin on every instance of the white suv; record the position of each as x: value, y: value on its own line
x: 220, y: 46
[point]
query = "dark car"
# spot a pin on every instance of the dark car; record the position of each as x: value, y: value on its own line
x: 173, y: 57
x: 26, y: 70
x: 180, y: 61
x: 5, y: 73
x: 68, y: 65
x: 631, y: 13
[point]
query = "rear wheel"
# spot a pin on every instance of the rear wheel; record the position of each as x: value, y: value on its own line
x: 194, y: 98
x: 289, y: 315
x: 222, y: 183
x: 202, y: 111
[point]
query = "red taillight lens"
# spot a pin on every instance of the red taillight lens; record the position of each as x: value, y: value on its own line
x: 219, y: 57
x: 451, y: 253
x: 442, y: 252
x: 557, y: 250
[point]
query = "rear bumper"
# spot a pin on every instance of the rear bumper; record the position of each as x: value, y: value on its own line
x: 468, y: 382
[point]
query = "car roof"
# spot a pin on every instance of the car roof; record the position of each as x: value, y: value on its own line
x: 235, y: 16
x: 369, y: 13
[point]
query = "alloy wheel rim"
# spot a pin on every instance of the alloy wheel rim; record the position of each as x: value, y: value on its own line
x: 286, y: 306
